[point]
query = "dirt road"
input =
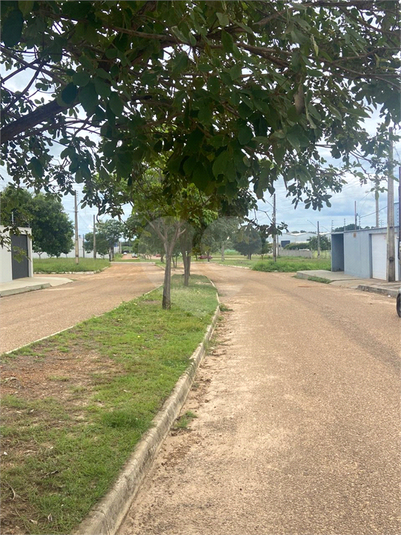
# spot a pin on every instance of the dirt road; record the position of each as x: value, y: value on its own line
x: 297, y: 428
x: 27, y: 317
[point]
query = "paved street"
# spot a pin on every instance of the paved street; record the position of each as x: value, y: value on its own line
x: 298, y: 418
x: 27, y: 317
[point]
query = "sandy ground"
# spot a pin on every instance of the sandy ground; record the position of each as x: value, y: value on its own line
x: 297, y: 428
x: 27, y: 317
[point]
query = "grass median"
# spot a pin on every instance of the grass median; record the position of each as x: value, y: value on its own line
x: 68, y: 265
x: 75, y: 405
x: 292, y: 264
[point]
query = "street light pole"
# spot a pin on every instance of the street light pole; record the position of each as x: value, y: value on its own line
x: 399, y: 223
x: 274, y: 229
x: 76, y: 230
x: 390, y: 271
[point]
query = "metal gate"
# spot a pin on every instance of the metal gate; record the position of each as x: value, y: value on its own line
x: 19, y: 253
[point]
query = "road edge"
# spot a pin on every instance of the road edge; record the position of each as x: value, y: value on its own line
x: 107, y: 516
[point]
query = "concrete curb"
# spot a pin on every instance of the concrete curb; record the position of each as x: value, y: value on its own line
x: 13, y: 291
x: 376, y: 289
x: 106, y: 517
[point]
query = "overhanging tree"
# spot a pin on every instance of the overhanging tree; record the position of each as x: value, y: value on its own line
x: 233, y: 93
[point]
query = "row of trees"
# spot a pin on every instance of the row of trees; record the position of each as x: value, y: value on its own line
x: 52, y: 230
x: 221, y: 235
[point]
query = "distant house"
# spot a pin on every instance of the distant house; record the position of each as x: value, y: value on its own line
x: 295, y: 237
x: 362, y: 253
x: 16, y: 256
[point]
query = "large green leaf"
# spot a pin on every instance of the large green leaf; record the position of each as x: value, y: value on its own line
x: 36, y: 167
x: 88, y: 98
x: 69, y: 93
x: 12, y: 28
x: 236, y: 71
x: 180, y: 63
x: 220, y: 163
x: 81, y: 78
x: 244, y: 135
x: 297, y: 137
x: 116, y: 104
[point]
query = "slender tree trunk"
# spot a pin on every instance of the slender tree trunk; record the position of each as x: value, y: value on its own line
x: 166, y: 302
x: 222, y: 252
x: 187, y: 267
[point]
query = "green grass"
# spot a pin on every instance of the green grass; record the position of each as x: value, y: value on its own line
x: 319, y: 279
x: 286, y: 264
x: 183, y: 421
x: 68, y: 265
x: 291, y: 264
x: 64, y: 450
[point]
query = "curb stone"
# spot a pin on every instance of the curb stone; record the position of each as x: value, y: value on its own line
x: 5, y: 293
x: 390, y: 292
x: 107, y: 516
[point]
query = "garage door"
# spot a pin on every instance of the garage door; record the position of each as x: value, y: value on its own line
x: 379, y: 255
x: 19, y: 252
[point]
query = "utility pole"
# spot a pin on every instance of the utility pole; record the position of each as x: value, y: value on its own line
x: 76, y: 230
x: 83, y: 248
x: 377, y: 202
x: 390, y: 271
x: 356, y: 216
x: 399, y: 223
x: 274, y: 227
x: 94, y: 238
x: 318, y: 240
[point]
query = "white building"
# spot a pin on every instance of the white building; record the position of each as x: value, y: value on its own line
x: 363, y: 253
x: 16, y: 255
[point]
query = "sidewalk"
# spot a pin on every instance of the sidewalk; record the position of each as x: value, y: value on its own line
x: 339, y: 278
x: 29, y: 284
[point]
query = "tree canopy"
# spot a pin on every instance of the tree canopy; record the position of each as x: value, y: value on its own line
x: 108, y: 234
x: 248, y: 240
x: 231, y: 94
x: 52, y: 229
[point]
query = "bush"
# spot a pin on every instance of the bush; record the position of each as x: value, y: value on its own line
x: 292, y: 264
x: 297, y: 246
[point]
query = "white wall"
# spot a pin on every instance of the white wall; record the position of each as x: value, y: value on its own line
x: 6, y: 267
x: 6, y: 274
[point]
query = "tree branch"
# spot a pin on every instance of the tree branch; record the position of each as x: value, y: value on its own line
x: 20, y: 95
x: 25, y: 123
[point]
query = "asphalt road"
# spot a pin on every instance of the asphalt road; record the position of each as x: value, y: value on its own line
x: 30, y: 316
x: 298, y: 418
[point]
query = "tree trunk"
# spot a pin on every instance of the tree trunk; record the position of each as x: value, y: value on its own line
x: 186, y: 258
x: 166, y: 302
x: 222, y: 252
